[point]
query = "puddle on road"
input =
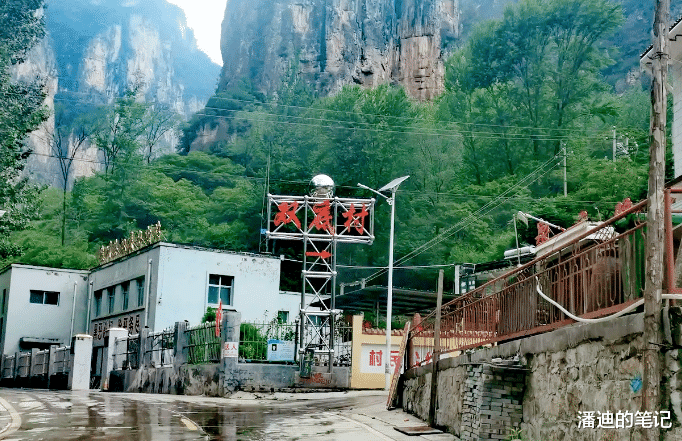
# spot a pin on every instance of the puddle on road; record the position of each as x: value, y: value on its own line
x: 115, y: 417
x: 255, y: 422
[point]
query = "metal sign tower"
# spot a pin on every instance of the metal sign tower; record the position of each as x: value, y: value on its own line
x: 321, y: 221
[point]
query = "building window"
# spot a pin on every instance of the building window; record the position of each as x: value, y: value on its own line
x: 282, y: 316
x: 140, y: 291
x: 44, y: 297
x: 220, y: 288
x: 98, y: 303
x: 4, y: 301
x: 125, y: 293
x: 112, y: 298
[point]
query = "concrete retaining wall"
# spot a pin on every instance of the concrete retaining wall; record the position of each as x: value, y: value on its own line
x: 579, y: 368
x: 214, y: 379
x: 208, y: 379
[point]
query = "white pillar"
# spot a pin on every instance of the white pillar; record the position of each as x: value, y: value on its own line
x: 79, y: 375
x: 109, y: 352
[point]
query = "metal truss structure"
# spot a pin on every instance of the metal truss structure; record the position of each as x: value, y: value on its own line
x: 321, y: 223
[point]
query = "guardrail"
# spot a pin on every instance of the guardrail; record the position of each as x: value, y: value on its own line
x: 127, y: 352
x: 598, y: 273
x: 36, y: 368
x: 159, y: 349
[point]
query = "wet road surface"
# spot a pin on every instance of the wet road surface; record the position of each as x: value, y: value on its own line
x: 65, y: 415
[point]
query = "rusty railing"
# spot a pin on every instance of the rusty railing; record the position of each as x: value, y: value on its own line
x: 597, y: 273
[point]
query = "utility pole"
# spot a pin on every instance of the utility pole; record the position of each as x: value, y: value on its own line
x: 655, y: 220
x: 565, y: 182
x: 615, y: 145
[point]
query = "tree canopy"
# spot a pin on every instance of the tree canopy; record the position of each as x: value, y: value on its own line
x: 525, y: 90
x: 21, y: 112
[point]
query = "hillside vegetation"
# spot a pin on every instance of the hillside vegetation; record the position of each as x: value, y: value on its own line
x: 525, y: 89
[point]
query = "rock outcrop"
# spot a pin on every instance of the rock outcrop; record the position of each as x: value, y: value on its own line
x: 336, y: 42
x: 95, y: 50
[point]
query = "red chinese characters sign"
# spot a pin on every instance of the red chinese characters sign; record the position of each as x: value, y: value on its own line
x: 287, y: 214
x: 373, y: 358
x: 320, y: 219
x: 323, y: 217
x: 543, y: 233
x: 356, y: 221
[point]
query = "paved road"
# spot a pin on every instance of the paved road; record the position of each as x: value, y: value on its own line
x: 61, y: 415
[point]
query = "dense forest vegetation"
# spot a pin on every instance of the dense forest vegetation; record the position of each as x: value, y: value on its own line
x: 523, y: 90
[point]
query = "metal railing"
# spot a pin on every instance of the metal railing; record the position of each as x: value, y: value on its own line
x: 23, y: 365
x: 40, y: 361
x: 159, y: 350
x: 62, y: 361
x: 127, y: 352
x: 202, y: 344
x: 595, y: 274
x: 254, y: 336
x: 8, y: 366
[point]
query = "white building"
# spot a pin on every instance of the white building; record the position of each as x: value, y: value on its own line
x: 166, y: 283
x: 155, y: 286
x: 41, y: 306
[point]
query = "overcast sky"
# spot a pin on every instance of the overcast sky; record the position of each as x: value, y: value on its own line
x: 205, y: 17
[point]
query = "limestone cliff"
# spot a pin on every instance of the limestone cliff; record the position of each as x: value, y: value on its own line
x: 97, y: 49
x: 336, y: 42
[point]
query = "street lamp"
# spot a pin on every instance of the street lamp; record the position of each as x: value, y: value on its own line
x: 393, y: 187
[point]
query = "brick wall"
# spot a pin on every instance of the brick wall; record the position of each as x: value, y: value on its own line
x: 491, y: 402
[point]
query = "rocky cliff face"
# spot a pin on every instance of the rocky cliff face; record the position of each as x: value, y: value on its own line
x: 336, y: 42
x: 95, y: 50
x: 367, y: 42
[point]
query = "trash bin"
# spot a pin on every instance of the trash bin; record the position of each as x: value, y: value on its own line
x: 307, y: 363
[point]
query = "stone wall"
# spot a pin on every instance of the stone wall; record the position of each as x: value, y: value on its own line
x: 579, y: 368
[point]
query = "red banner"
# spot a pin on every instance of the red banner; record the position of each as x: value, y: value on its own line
x: 218, y: 318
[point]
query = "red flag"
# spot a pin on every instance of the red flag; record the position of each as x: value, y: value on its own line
x: 218, y: 318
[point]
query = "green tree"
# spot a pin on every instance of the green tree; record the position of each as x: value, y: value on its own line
x: 21, y: 112
x: 118, y: 130
x: 524, y: 79
x: 66, y: 138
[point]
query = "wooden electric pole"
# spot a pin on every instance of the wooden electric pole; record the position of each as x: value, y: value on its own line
x: 655, y: 220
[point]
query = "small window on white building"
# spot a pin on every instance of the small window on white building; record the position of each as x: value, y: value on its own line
x: 220, y: 288
x: 140, y: 291
x: 282, y: 316
x: 44, y: 297
x: 98, y: 303
x: 125, y: 293
x: 112, y: 298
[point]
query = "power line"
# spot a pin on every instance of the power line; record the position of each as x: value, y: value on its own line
x: 467, y: 221
x: 430, y: 131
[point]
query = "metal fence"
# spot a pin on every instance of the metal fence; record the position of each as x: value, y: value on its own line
x: 159, y: 350
x: 127, y: 352
x: 597, y: 273
x: 254, y: 336
x: 62, y: 360
x: 23, y: 365
x: 202, y: 344
x: 8, y: 366
x: 40, y: 361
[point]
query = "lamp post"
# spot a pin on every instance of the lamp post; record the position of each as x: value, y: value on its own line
x: 393, y: 187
